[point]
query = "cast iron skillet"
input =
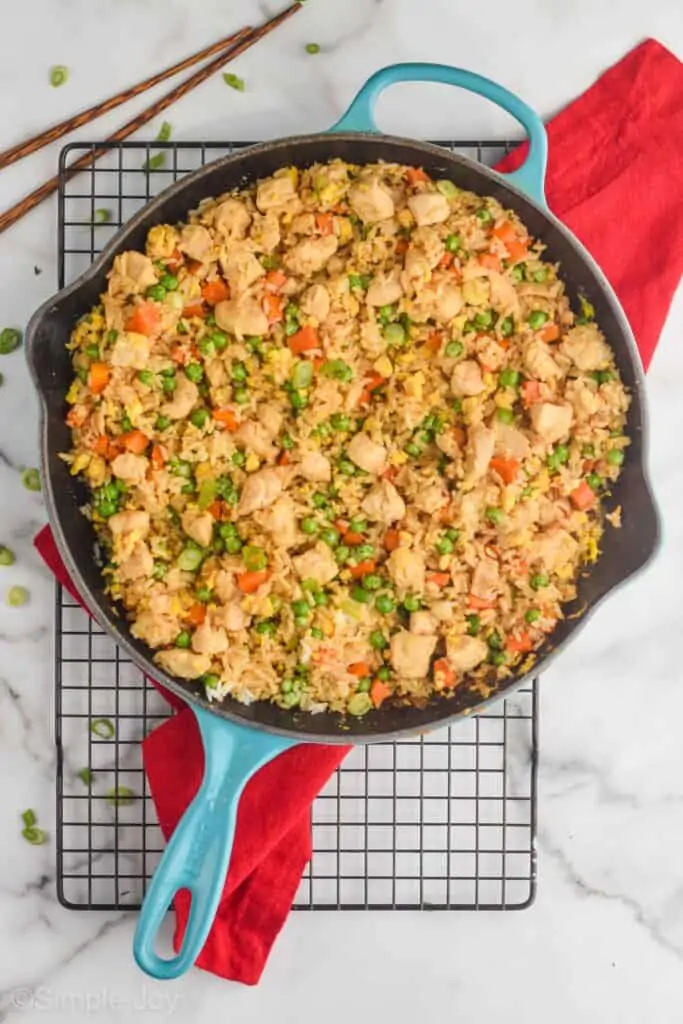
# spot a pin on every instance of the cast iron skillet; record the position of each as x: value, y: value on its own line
x: 239, y: 739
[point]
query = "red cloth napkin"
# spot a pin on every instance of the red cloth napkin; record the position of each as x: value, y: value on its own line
x: 614, y: 178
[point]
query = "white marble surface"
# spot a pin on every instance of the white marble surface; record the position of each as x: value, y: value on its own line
x: 604, y: 942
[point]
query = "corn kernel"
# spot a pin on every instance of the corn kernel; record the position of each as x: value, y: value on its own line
x: 398, y: 458
x: 383, y: 366
x: 253, y: 462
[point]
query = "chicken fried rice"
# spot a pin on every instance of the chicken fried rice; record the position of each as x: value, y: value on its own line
x: 346, y: 440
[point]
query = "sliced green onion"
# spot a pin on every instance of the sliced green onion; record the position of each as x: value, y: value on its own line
x: 164, y: 133
x: 102, y: 728
x: 302, y: 374
x: 29, y: 817
x: 190, y: 558
x: 121, y: 796
x: 312, y: 48
x: 234, y: 81
x: 10, y: 338
x: 394, y: 334
x: 254, y: 557
x: 59, y: 75
x: 85, y: 775
x: 154, y: 163
x: 17, y: 596
x: 337, y: 369
x: 359, y: 704
x: 102, y: 216
x: 447, y: 188
x: 6, y: 556
x: 35, y: 836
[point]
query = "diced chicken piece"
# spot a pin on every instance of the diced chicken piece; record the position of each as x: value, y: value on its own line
x: 131, y: 274
x: 538, y: 360
x: 271, y: 417
x: 467, y: 379
x: 260, y: 490
x: 551, y: 422
x: 485, y: 579
x: 310, y: 255
x: 504, y: 297
x: 553, y: 548
x: 417, y: 270
x: 256, y: 438
x: 384, y: 290
x: 138, y: 565
x: 233, y: 617
x: 304, y: 224
x: 275, y: 192
x: 130, y: 349
x: 427, y: 241
x: 315, y: 302
x: 431, y: 498
x: 198, y: 526
x: 224, y: 586
x: 586, y: 347
x: 383, y: 503
x: 480, y: 444
x: 465, y: 652
x: 132, y: 469
x: 318, y: 563
x: 184, y: 398
x: 423, y: 623
x: 154, y: 629
x: 209, y: 639
x: 585, y: 401
x: 242, y: 316
x: 490, y: 353
x: 280, y: 521
x: 367, y: 454
x: 442, y: 611
x: 439, y: 300
x: 370, y: 201
x: 316, y: 467
x: 182, y: 663
x: 265, y: 232
x: 232, y: 219
x: 241, y: 268
x: 429, y: 208
x: 196, y: 241
x: 216, y: 372
x: 511, y: 441
x: 411, y: 654
x: 448, y: 443
x: 407, y: 569
x: 136, y: 523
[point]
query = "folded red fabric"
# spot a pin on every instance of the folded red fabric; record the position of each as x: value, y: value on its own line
x: 614, y: 179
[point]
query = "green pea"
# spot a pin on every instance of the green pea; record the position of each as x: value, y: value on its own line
x: 239, y: 372
x: 360, y: 281
x: 484, y: 319
x: 105, y: 509
x: 255, y: 558
x: 484, y: 215
x: 456, y: 405
x: 498, y: 658
x: 6, y: 556
x: 540, y: 275
x: 320, y: 598
x: 518, y: 272
x: 169, y: 282
x: 453, y: 243
x: 318, y: 499
x: 337, y: 369
x: 287, y: 686
x: 194, y: 372
x: 359, y: 704
x: 364, y: 551
x: 454, y: 349
x: 203, y: 594
x: 30, y: 478
x: 506, y: 326
x: 180, y: 467
x: 413, y: 450
x: 384, y: 673
x: 342, y: 553
x: 168, y: 385
x: 266, y: 627
x: 160, y: 570
x: 206, y: 347
x: 378, y: 640
x: 309, y: 525
x: 394, y: 334
x: 537, y: 318
x: 386, y: 314
x: 360, y: 594
x: 473, y: 624
x: 469, y: 327
x: 156, y: 292
x: 298, y: 400
x: 210, y: 680
x: 330, y: 536
x: 162, y: 423
x: 495, y: 641
x: 286, y: 442
x: 59, y: 75
x: 533, y: 615
x: 509, y: 378
x: 372, y: 581
x: 300, y: 609
x: 364, y: 684
x: 233, y: 546
x: 539, y: 580
x: 112, y: 336
x: 317, y: 634
x: 615, y: 456
x: 92, y: 351
x: 183, y: 639
x: 505, y: 415
x: 594, y: 481
x: 444, y: 546
x: 199, y: 418
x: 341, y: 422
x: 588, y: 451
x: 346, y: 467
x: 240, y: 395
x: 385, y: 604
x: 146, y: 377
x: 220, y: 341
x: 411, y: 603
x: 495, y: 515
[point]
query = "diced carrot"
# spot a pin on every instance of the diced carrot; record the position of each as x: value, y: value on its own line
x: 101, y: 445
x: 274, y: 280
x: 176, y: 256
x: 324, y: 223
x: 341, y: 525
x: 179, y: 354
x: 517, y: 251
x: 318, y: 363
x: 479, y: 603
x: 439, y: 579
x: 196, y: 614
x: 390, y: 473
x: 550, y: 332
x: 215, y: 291
x: 194, y: 266
x: 460, y: 435
x: 506, y: 469
x: 352, y: 539
x: 217, y: 508
x: 158, y: 456
x: 145, y: 319
x: 358, y: 669
x: 392, y: 539
x: 363, y: 568
x: 490, y: 261
x: 443, y: 673
x: 504, y: 232
x: 582, y: 497
x: 248, y: 582
x: 434, y: 341
x: 135, y: 441
x: 303, y: 341
x: 415, y: 174
x: 196, y: 310
x: 76, y: 416
x: 284, y: 459
x: 401, y: 247
x: 519, y: 644
x: 446, y: 260
x: 226, y: 417
x: 379, y: 692
x: 273, y: 307
x: 98, y: 377
x: 531, y: 392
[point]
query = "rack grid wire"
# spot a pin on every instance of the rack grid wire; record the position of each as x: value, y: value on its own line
x: 446, y: 820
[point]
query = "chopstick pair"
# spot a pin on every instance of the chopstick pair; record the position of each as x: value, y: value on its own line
x: 227, y: 49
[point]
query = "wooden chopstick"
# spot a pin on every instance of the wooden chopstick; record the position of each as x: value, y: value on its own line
x: 22, y: 149
x: 16, y: 212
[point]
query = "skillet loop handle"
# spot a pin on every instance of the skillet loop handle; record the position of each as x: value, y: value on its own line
x: 198, y: 853
x: 529, y: 178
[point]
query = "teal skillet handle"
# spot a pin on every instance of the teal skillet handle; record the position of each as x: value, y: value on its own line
x: 198, y: 853
x: 529, y: 178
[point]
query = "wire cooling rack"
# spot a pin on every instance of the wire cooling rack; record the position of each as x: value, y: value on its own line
x: 444, y: 821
